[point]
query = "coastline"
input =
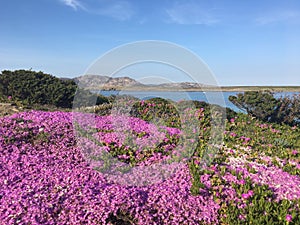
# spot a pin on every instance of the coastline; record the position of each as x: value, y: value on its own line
x: 203, y: 89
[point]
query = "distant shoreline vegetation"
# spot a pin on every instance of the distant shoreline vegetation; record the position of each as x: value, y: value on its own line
x: 209, y: 89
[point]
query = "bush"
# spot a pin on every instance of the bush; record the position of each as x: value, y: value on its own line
x: 30, y: 88
x: 264, y: 106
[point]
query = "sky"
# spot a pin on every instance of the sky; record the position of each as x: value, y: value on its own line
x: 242, y: 42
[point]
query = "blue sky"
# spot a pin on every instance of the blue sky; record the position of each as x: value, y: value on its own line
x: 243, y: 42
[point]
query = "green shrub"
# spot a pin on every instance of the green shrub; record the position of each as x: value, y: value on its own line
x: 31, y: 88
x: 264, y: 106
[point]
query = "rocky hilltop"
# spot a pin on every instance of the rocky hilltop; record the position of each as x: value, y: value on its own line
x: 97, y: 82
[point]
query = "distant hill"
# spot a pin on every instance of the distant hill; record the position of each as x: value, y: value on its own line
x: 98, y: 82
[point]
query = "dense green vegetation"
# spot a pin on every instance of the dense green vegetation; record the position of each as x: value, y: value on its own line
x: 28, y: 88
x: 264, y: 106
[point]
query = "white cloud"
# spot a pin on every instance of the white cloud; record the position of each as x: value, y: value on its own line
x: 287, y: 16
x: 191, y: 13
x: 119, y: 10
x: 116, y: 9
x: 75, y: 4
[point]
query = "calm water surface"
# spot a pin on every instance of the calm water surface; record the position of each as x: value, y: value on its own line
x: 220, y: 98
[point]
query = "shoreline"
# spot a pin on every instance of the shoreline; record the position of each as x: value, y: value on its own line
x: 205, y: 89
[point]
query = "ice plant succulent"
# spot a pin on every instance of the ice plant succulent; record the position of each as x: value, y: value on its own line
x: 46, y: 178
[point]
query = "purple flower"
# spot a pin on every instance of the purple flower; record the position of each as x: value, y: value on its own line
x: 242, y: 217
x: 232, y: 134
x: 242, y: 182
x: 197, y: 162
x: 245, y: 195
x: 288, y: 218
x: 250, y: 193
x: 294, y: 152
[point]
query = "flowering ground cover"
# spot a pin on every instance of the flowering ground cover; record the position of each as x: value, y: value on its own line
x: 55, y: 169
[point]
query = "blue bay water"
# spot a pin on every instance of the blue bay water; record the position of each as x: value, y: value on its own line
x: 220, y: 98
